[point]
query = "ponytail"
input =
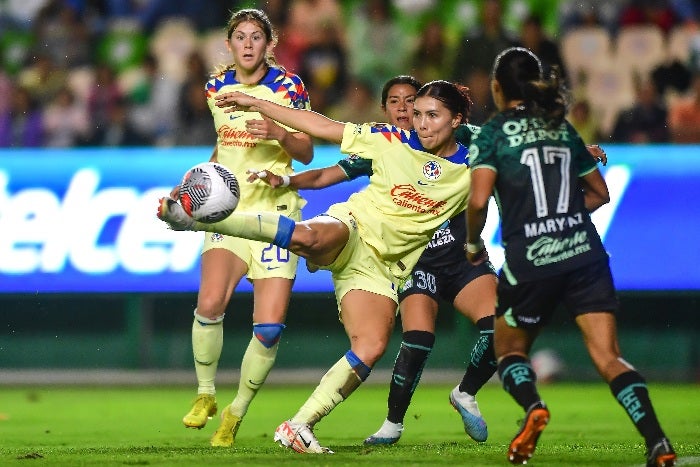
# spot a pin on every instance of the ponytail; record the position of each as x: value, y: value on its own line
x: 547, y: 98
x: 519, y: 73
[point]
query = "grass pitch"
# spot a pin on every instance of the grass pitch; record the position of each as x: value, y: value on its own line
x: 72, y: 426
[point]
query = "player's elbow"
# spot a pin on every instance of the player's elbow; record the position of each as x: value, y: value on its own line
x: 476, y: 204
x: 305, y: 160
x: 306, y: 154
x: 594, y: 202
x: 603, y: 197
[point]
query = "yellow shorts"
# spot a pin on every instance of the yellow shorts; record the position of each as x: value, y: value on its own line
x: 358, y: 266
x: 264, y: 260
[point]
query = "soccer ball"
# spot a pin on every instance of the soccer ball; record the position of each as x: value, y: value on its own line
x: 209, y: 192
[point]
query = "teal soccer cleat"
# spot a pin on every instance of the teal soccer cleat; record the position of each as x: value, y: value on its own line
x: 474, y: 424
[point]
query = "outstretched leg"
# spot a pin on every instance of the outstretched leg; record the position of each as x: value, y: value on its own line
x: 319, y: 239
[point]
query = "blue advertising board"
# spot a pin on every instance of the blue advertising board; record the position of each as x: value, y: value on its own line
x: 83, y: 220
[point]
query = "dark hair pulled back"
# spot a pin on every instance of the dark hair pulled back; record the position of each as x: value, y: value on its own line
x: 519, y: 73
x: 456, y: 97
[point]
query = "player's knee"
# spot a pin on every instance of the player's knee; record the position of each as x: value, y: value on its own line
x: 207, y: 319
x: 268, y: 333
x: 211, y: 307
x: 360, y: 368
x: 305, y: 239
x: 370, y: 351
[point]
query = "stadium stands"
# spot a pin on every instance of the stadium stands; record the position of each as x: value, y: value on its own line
x: 600, y: 61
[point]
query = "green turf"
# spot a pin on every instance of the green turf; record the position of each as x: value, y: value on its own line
x: 141, y: 426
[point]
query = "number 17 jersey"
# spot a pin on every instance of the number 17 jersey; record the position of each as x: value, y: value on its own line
x: 545, y: 227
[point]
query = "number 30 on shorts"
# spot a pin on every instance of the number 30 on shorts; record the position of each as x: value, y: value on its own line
x: 424, y: 281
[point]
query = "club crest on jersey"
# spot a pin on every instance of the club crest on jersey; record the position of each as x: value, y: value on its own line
x: 432, y: 170
x: 216, y: 237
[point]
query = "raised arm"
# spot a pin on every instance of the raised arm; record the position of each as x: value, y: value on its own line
x: 306, y: 121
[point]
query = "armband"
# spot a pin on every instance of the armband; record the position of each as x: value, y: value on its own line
x: 474, y: 247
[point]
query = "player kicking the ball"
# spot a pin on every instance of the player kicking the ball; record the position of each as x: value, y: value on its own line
x: 442, y: 273
x: 372, y: 241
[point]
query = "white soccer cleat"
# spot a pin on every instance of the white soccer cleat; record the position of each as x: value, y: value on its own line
x: 474, y: 424
x: 170, y: 212
x: 389, y: 433
x: 298, y: 436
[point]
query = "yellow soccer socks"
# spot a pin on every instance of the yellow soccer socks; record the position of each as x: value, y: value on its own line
x: 207, y: 342
x: 335, y: 386
x: 257, y: 362
x: 266, y: 227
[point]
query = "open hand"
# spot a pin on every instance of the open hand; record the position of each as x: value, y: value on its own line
x: 265, y: 128
x: 598, y: 153
x: 266, y: 176
x: 234, y: 101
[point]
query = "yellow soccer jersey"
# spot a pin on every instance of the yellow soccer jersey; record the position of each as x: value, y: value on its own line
x: 411, y: 192
x: 239, y: 150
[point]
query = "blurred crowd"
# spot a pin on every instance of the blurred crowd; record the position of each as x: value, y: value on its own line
x: 132, y: 72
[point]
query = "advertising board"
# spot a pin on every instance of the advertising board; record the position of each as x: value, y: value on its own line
x: 83, y: 220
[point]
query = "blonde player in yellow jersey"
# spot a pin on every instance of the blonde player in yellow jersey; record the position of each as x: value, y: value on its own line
x: 371, y: 242
x: 242, y: 141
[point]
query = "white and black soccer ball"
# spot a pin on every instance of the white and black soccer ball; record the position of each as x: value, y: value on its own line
x: 209, y: 192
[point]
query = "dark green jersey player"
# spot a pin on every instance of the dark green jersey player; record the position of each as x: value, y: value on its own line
x: 546, y: 228
x: 546, y: 184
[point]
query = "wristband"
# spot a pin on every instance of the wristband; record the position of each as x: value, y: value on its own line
x: 285, y: 180
x: 474, y: 247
